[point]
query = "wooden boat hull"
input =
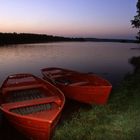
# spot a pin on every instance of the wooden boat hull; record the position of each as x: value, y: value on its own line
x: 89, y: 94
x: 33, y: 129
x: 87, y: 88
x: 37, y: 115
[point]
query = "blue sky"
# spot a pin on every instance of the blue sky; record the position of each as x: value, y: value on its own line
x: 73, y: 18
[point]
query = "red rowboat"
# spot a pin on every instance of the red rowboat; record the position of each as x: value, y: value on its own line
x: 32, y: 105
x: 86, y: 88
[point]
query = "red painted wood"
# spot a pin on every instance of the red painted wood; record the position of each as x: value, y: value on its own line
x: 38, y: 125
x: 86, y: 88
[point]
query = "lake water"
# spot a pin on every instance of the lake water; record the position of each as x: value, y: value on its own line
x: 109, y: 60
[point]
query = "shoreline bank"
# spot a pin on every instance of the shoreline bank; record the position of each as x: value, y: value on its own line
x: 119, y: 119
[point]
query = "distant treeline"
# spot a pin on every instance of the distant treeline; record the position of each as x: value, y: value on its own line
x: 112, y: 40
x: 23, y: 38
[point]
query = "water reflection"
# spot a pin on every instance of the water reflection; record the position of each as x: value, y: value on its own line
x: 107, y: 59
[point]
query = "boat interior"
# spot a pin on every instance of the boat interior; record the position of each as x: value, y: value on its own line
x: 29, y: 99
x: 74, y: 79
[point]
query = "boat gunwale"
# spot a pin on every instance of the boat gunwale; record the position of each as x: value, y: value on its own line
x: 44, y: 72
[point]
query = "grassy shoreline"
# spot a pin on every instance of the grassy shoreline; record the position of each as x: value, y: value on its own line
x: 119, y: 119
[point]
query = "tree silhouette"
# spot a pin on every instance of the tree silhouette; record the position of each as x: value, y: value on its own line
x: 21, y: 38
x: 136, y: 21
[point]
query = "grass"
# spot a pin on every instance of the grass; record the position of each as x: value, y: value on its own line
x: 118, y: 120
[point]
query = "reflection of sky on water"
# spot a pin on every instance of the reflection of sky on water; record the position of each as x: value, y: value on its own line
x: 107, y: 59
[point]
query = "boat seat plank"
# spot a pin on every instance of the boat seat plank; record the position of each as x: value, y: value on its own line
x: 54, y: 71
x: 50, y: 99
x: 70, y: 82
x: 82, y: 83
x: 60, y: 75
x: 21, y: 87
x: 22, y: 80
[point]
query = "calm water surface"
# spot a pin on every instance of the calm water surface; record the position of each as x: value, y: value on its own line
x: 109, y: 60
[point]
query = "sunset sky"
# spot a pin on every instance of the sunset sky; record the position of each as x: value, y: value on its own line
x: 70, y: 18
